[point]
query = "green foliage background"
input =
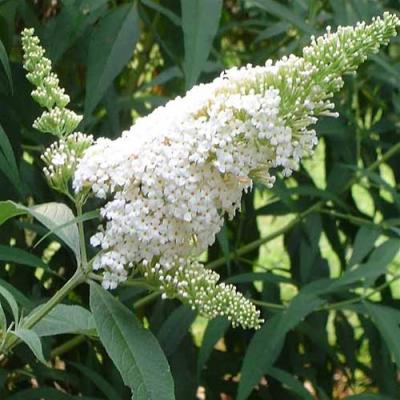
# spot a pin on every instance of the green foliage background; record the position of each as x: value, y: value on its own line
x: 318, y: 253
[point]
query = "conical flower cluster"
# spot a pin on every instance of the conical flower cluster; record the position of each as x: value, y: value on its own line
x: 170, y: 180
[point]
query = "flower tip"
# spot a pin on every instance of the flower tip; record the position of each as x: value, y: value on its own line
x: 28, y: 32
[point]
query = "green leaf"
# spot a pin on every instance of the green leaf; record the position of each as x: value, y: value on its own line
x: 17, y: 295
x: 32, y: 340
x: 70, y: 23
x: 164, y: 11
x: 90, y: 215
x: 290, y: 382
x: 376, y: 265
x: 284, y: 13
x: 66, y: 319
x: 22, y: 257
x: 175, y: 328
x: 363, y: 243
x: 200, y: 19
x: 3, y: 319
x: 258, y: 277
x: 369, y: 396
x: 267, y: 343
x: 133, y: 349
x: 52, y: 215
x: 216, y: 329
x: 46, y: 394
x: 8, y: 296
x: 223, y: 241
x: 9, y: 209
x: 99, y: 381
x: 387, y: 321
x: 110, y: 48
x: 6, y: 65
x: 8, y: 165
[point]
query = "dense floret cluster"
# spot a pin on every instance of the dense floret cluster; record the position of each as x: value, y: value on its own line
x: 62, y: 157
x: 170, y: 180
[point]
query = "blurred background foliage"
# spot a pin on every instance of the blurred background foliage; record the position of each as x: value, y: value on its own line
x: 318, y: 253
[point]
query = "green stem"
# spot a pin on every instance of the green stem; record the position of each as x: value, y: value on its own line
x: 84, y: 263
x: 146, y: 300
x: 30, y: 321
x: 358, y: 299
x: 67, y: 346
x: 77, y: 340
x: 257, y: 243
x: 272, y: 306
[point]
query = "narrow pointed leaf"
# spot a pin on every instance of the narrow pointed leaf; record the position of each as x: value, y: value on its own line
x: 216, y: 329
x: 32, y: 340
x: 66, y: 319
x: 200, y: 19
x: 387, y: 321
x: 133, y: 349
x: 18, y: 256
x: 267, y: 343
x: 9, y: 209
x: 52, y: 215
x: 7, y: 295
x: 6, y: 65
x: 111, y: 46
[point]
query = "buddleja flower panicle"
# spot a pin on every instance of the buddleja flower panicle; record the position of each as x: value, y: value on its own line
x: 177, y: 172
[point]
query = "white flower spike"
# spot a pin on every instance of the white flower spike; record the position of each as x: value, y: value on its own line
x: 170, y: 180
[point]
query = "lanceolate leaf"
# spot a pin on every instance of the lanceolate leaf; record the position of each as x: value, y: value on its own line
x: 364, y: 242
x: 7, y: 295
x: 175, y: 328
x: 99, y: 381
x: 268, y: 341
x: 200, y: 20
x: 32, y: 340
x: 133, y: 349
x: 51, y: 215
x: 66, y: 319
x: 8, y: 165
x: 111, y: 46
x: 16, y: 294
x: 9, y: 209
x: 6, y: 65
x: 3, y: 319
x: 216, y: 329
x: 11, y: 254
x: 276, y: 8
x: 290, y: 382
x: 387, y: 321
x: 46, y: 393
x: 83, y: 218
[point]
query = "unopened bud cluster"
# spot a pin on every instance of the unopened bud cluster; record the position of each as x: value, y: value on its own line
x: 58, y: 120
x: 192, y: 283
x: 61, y: 157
